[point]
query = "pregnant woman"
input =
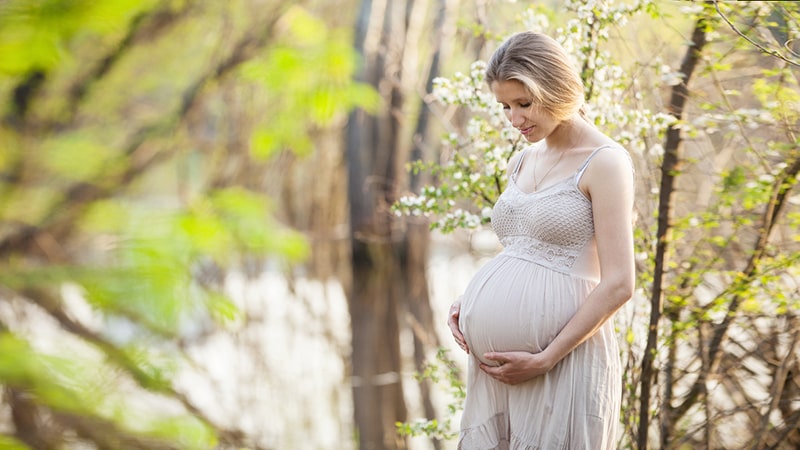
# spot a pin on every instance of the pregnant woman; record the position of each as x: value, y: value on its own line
x: 544, y: 369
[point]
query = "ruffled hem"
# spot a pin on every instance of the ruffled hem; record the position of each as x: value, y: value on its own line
x: 517, y: 444
x: 490, y: 435
x: 493, y: 434
x: 501, y: 444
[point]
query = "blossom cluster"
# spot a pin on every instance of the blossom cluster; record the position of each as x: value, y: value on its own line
x: 471, y: 174
x: 475, y: 156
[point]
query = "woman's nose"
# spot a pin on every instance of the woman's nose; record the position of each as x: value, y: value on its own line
x: 517, y: 118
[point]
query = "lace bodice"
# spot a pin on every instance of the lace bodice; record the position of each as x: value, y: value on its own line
x: 551, y: 226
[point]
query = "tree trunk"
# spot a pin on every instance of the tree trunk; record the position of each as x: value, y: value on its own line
x: 375, y: 289
x: 388, y: 291
x: 377, y: 388
x: 417, y: 242
x: 669, y: 168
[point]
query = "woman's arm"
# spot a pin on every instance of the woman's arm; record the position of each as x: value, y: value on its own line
x: 609, y: 182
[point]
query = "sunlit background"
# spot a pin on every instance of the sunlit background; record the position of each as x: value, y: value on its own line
x: 240, y: 224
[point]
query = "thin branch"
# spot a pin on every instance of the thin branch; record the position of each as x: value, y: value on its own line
x: 61, y: 220
x: 760, y: 47
x: 782, y: 189
x: 669, y: 170
x: 791, y: 424
x: 779, y: 377
x: 146, y: 25
x: 745, y: 135
x: 788, y: 46
x: 52, y: 306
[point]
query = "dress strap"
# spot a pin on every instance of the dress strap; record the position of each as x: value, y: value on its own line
x: 585, y: 164
x: 519, y: 164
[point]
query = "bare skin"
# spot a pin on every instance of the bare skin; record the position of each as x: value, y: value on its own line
x: 608, y: 183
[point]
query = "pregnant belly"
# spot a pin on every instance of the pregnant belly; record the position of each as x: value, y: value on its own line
x: 516, y: 305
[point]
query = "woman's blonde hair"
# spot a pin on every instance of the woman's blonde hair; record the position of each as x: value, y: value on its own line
x: 541, y: 64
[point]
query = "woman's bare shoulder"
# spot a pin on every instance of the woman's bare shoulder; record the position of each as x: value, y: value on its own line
x: 607, y: 149
x: 614, y: 154
x: 610, y: 167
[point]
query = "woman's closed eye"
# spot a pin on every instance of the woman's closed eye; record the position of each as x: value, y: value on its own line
x: 521, y: 105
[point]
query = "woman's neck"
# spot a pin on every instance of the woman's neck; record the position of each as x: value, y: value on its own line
x: 567, y: 135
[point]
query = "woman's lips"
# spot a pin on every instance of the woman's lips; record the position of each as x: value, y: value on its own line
x: 526, y: 131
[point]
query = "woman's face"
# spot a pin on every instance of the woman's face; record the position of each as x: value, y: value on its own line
x: 531, y: 120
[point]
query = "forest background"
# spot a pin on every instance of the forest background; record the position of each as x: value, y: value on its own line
x: 240, y: 224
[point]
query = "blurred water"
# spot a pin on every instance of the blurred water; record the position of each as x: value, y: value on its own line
x: 282, y: 376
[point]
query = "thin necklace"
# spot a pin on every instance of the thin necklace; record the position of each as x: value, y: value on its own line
x: 535, y: 163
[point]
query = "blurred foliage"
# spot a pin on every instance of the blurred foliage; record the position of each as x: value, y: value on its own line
x: 133, y: 141
x: 104, y: 264
x: 287, y: 74
x: 35, y: 34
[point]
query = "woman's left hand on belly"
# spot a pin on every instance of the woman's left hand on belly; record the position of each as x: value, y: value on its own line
x: 516, y: 367
x: 452, y: 322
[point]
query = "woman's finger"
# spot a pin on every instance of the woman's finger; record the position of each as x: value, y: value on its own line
x: 452, y: 322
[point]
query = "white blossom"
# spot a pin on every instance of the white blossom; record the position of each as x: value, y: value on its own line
x: 657, y: 150
x: 672, y: 78
x: 692, y: 8
x: 534, y: 21
x: 766, y: 178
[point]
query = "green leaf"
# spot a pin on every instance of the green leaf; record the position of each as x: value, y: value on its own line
x: 9, y: 443
x: 30, y: 205
x: 265, y: 143
x: 222, y: 309
x: 75, y: 157
x: 105, y: 216
x: 34, y: 34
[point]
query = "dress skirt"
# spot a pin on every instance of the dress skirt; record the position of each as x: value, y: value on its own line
x: 513, y: 304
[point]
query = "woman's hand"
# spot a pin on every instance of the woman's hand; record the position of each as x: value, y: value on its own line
x: 516, y: 367
x: 452, y: 322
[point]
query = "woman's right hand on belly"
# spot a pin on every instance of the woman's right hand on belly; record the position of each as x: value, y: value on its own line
x: 452, y: 322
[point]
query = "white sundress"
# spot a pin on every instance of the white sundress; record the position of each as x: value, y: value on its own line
x: 519, y: 301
